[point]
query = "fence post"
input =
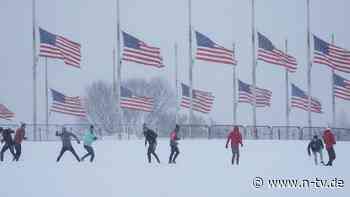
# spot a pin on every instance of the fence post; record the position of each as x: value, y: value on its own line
x: 100, y: 132
x: 271, y: 133
x: 336, y: 132
x: 128, y: 132
x: 40, y: 131
x: 209, y: 132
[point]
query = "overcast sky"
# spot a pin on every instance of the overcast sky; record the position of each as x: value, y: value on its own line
x: 162, y: 23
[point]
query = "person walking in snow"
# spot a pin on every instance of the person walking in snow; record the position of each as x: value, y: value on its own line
x: 19, y: 137
x: 66, y: 143
x: 316, y: 146
x: 329, y: 140
x: 7, y: 139
x: 174, y: 149
x: 235, y: 138
x: 88, y: 138
x: 151, y: 139
x: 1, y: 129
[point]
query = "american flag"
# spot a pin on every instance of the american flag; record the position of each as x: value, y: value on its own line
x: 139, y: 52
x: 208, y: 50
x: 267, y: 52
x: 341, y: 87
x: 59, y: 47
x: 246, y: 95
x: 202, y: 101
x: 67, y: 105
x: 301, y: 100
x: 129, y: 101
x: 5, y: 113
x: 331, y: 55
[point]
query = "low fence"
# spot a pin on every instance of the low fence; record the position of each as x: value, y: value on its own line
x: 125, y: 131
x: 286, y: 132
x: 194, y: 131
x: 221, y: 131
x: 45, y: 132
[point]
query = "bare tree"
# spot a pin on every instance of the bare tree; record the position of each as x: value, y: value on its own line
x: 343, y: 120
x: 101, y: 107
x: 163, y: 115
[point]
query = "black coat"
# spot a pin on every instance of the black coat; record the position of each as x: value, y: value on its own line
x: 6, y: 136
x: 315, y: 145
x: 150, y: 136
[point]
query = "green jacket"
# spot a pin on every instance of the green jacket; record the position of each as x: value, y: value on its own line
x: 89, y: 138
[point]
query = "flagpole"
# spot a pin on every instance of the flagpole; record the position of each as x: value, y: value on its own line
x: 309, y: 64
x: 47, y: 98
x: 176, y: 84
x: 234, y: 92
x: 119, y: 64
x: 254, y: 62
x: 190, y: 61
x: 287, y: 88
x: 333, y: 93
x: 34, y: 71
x: 114, y: 71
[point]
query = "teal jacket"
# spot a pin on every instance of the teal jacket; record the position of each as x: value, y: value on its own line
x: 89, y: 138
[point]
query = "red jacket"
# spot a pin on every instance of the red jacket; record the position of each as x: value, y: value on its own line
x: 328, y: 138
x: 235, y: 137
x: 173, y: 135
x: 19, y: 136
x: 174, y: 138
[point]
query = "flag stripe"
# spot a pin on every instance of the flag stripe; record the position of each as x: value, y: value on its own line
x: 5, y: 113
x: 208, y: 50
x: 246, y: 95
x: 333, y: 56
x: 139, y: 52
x: 301, y: 100
x: 341, y: 87
x: 268, y: 53
x: 136, y: 104
x: 202, y: 100
x: 59, y: 47
x: 67, y: 105
x: 130, y: 101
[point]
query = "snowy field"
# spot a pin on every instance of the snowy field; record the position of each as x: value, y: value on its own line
x: 203, y: 169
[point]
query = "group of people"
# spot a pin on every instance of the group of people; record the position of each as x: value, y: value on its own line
x: 89, y: 137
x: 151, y: 139
x: 234, y: 138
x: 316, y: 147
x: 66, y: 138
x: 12, y: 144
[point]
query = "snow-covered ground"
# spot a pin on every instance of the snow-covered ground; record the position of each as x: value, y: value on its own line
x: 203, y: 169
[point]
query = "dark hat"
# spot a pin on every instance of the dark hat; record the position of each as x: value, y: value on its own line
x: 144, y: 126
x: 177, y: 128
